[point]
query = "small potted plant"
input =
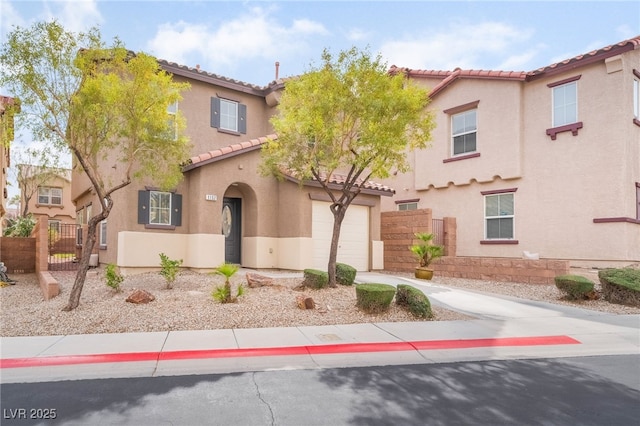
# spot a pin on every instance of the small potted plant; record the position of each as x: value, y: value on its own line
x: 426, y: 252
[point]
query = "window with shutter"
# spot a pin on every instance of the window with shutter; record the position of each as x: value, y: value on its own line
x: 229, y: 116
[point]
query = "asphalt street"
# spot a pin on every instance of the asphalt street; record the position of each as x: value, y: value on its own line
x: 598, y: 390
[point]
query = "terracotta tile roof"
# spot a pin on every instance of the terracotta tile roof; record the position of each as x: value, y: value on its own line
x: 226, y: 152
x: 254, y: 144
x: 587, y: 58
x: 448, y: 77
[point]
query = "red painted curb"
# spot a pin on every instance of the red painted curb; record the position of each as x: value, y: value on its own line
x: 51, y: 361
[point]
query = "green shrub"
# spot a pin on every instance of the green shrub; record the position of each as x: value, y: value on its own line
x: 20, y: 227
x: 315, y: 278
x: 169, y: 269
x: 415, y: 300
x: 374, y: 298
x: 345, y: 274
x: 621, y: 285
x: 574, y: 287
x: 114, y: 279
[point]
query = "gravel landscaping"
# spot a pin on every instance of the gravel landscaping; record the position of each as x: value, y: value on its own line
x: 190, y: 306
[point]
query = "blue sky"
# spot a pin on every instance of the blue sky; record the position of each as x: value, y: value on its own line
x: 243, y: 39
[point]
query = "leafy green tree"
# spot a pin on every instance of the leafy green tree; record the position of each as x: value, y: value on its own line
x: 348, y: 116
x: 107, y: 105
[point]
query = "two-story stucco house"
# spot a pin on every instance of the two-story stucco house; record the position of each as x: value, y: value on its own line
x: 224, y: 210
x: 545, y: 162
x: 51, y: 195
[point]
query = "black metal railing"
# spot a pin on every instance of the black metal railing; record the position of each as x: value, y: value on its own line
x: 62, y: 247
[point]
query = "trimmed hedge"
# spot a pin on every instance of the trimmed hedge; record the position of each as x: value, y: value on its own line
x: 345, y: 274
x: 575, y: 287
x: 415, y: 300
x: 621, y: 285
x: 374, y: 298
x: 315, y: 278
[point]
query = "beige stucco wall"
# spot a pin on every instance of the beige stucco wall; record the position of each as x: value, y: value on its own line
x: 65, y: 212
x: 562, y: 184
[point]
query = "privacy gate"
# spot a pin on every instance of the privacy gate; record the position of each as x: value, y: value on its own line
x: 62, y: 247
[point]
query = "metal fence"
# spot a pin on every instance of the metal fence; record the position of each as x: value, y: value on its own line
x: 62, y: 247
x: 438, y: 231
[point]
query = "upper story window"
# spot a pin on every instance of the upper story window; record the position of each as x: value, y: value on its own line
x: 565, y: 104
x: 636, y: 97
x: 464, y: 128
x: 499, y: 214
x: 228, y: 115
x: 172, y: 111
x: 49, y: 195
x: 564, y: 101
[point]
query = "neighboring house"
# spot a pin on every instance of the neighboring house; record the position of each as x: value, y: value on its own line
x: 51, y: 195
x: 224, y: 210
x: 546, y: 161
x: 6, y: 136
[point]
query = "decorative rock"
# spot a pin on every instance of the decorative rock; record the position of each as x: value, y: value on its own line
x: 255, y: 280
x: 141, y: 296
x: 305, y: 302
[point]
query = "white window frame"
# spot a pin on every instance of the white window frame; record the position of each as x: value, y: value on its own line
x: 636, y: 98
x: 103, y: 233
x: 155, y: 212
x: 172, y: 111
x: 49, y: 193
x: 408, y: 206
x: 80, y: 216
x: 559, y: 109
x: 229, y: 115
x: 89, y: 210
x: 500, y: 215
x: 464, y: 132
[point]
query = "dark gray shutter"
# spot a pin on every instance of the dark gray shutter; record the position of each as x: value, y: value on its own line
x: 176, y: 209
x: 215, y: 112
x: 242, y: 118
x: 143, y: 207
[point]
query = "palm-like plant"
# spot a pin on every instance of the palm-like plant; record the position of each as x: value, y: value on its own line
x: 223, y: 294
x: 426, y: 252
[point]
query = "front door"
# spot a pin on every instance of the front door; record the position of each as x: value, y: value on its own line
x: 231, y: 220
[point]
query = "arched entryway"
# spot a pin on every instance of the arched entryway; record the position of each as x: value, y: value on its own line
x: 238, y: 219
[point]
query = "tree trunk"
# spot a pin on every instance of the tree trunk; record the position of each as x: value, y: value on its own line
x: 338, y: 210
x: 83, y: 267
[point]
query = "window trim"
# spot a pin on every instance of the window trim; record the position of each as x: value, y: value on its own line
x: 572, y: 127
x: 457, y: 110
x: 102, y: 234
x: 636, y: 97
x: 407, y: 204
x: 144, y: 200
x: 50, y: 196
x: 494, y: 241
x: 158, y: 209
x: 241, y: 119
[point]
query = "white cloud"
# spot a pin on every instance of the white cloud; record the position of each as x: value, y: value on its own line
x: 9, y: 17
x: 358, y: 34
x: 252, y: 35
x: 464, y: 45
x: 76, y: 15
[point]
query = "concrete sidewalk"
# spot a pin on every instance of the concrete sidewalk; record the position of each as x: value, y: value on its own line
x: 506, y: 328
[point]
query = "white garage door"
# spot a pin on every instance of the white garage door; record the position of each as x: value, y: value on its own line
x: 353, y: 248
